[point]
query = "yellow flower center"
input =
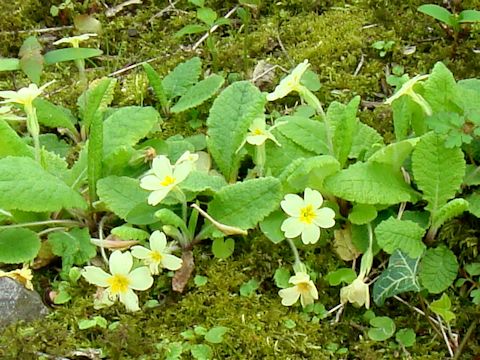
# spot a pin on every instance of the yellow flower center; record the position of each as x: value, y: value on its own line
x: 118, y: 283
x: 307, y: 214
x: 156, y: 256
x: 303, y: 287
x: 257, y: 132
x: 168, y: 180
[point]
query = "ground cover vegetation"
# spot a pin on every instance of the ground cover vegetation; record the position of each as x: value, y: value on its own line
x: 204, y: 179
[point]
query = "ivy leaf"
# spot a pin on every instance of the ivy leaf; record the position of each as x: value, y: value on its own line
x: 306, y: 133
x: 429, y: 161
x: 442, y: 307
x: 362, y: 214
x: 230, y: 117
x: 26, y: 186
x: 370, y: 183
x: 18, y: 245
x: 405, y: 235
x: 438, y: 269
x: 245, y: 204
x: 383, y: 328
x: 223, y: 249
x: 177, y: 82
x: 399, y: 277
x: 11, y: 143
x: 199, y: 93
x: 121, y: 194
x: 128, y: 125
x: 74, y: 247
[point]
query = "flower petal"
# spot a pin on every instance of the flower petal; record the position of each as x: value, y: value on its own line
x: 182, y: 170
x: 158, y: 241
x: 289, y: 296
x: 161, y: 167
x: 120, y: 263
x: 140, y: 279
x: 130, y: 299
x: 95, y: 275
x: 171, y: 262
x: 310, y: 234
x: 325, y: 218
x: 292, y: 227
x: 151, y: 182
x: 313, y: 197
x: 299, y: 277
x: 158, y: 195
x: 292, y: 204
x: 140, y: 252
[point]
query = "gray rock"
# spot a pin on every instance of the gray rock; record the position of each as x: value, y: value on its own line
x: 18, y: 303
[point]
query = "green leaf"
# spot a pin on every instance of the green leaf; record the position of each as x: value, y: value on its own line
x: 339, y: 276
x: 177, y: 82
x: 70, y: 54
x: 25, y: 185
x: 472, y: 175
x: 282, y: 277
x: 306, y: 133
x: 383, y: 328
x: 200, y: 280
x: 429, y: 161
x: 201, y: 182
x: 199, y: 93
x: 394, y: 234
x: 142, y: 214
x: 245, y: 204
x: 121, y: 194
x: 407, y: 114
x: 54, y: 116
x: 12, y: 144
x: 230, y: 117
x: 310, y: 172
x: 406, y: 337
x: 474, y: 204
x: 341, y: 124
x: 191, y: 29
x: 249, y: 288
x: 438, y: 12
x: 18, y: 245
x: 207, y: 15
x: 168, y: 217
x: 156, y: 82
x: 96, y: 99
x: 370, y: 183
x: 223, y: 249
x: 394, y: 154
x: 442, y: 307
x: 74, y: 247
x: 53, y: 145
x: 31, y: 59
x: 469, y: 16
x: 440, y: 89
x: 438, y: 269
x: 201, y: 352
x: 9, y: 64
x: 270, y: 226
x: 399, y: 277
x: 365, y: 141
x: 473, y: 269
x: 362, y: 214
x: 127, y: 126
x: 127, y: 232
x: 215, y: 334
x: 448, y: 211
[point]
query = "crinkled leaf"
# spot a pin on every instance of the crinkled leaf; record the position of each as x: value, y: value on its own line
x: 370, y: 183
x: 25, y: 185
x: 180, y: 79
x: 54, y: 116
x: 121, y: 194
x: 168, y: 217
x: 394, y: 154
x: 448, y: 211
x: 202, y: 182
x: 399, y: 277
x: 438, y: 269
x: 230, y: 117
x: 127, y: 232
x: 306, y: 133
x: 11, y: 143
x: 128, y: 125
x: 96, y: 99
x: 404, y: 235
x: 199, y: 93
x: 440, y: 89
x: 442, y: 307
x: 408, y: 114
x: 53, y: 144
x: 74, y: 247
x: 156, y: 82
x: 245, y: 204
x: 365, y: 142
x: 430, y: 161
x: 18, y: 245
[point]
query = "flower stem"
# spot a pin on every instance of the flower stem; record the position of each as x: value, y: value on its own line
x: 260, y: 158
x: 33, y: 128
x: 42, y: 223
x: 294, y: 251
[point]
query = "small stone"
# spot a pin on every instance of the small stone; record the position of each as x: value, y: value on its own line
x: 18, y: 303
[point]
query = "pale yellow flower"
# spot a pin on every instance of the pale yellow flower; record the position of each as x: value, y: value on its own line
x: 25, y: 95
x: 121, y: 282
x: 23, y: 276
x: 306, y: 216
x: 407, y: 90
x: 159, y: 255
x: 74, y: 41
x: 356, y: 293
x: 302, y: 288
x: 290, y: 83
